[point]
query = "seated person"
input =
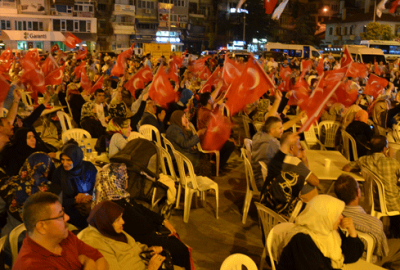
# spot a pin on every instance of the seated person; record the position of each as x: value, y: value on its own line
x: 76, y: 178
x: 120, y: 128
x: 94, y: 115
x: 117, y: 107
x: 119, y: 249
x: 154, y: 115
x: 295, y: 181
x: 25, y: 143
x: 316, y: 242
x: 34, y: 176
x: 140, y: 222
x: 49, y: 244
x: 361, y: 132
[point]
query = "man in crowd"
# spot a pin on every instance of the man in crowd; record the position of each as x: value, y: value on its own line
x: 93, y: 115
x: 49, y: 244
x: 154, y: 115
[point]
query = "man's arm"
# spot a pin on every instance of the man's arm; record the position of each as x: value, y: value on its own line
x: 275, y: 105
x: 89, y: 264
x: 352, y: 167
x: 12, y: 113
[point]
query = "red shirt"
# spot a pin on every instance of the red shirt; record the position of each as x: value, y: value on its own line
x: 203, y: 116
x: 34, y: 256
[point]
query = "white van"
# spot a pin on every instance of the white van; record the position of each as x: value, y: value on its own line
x: 390, y: 48
x: 293, y: 50
x: 365, y: 55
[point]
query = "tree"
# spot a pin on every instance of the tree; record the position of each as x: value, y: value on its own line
x: 377, y: 31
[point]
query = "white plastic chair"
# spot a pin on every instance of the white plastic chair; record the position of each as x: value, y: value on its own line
x: 264, y: 169
x: 135, y: 135
x: 65, y: 121
x: 347, y: 140
x: 331, y: 128
x: 246, y: 122
x: 147, y: 132
x: 248, y: 144
x: 275, y: 238
x: 310, y: 136
x: 13, y: 236
x: 166, y: 161
x: 69, y: 108
x: 251, y: 187
x: 167, y: 144
x: 371, y: 181
x: 369, y: 240
x: 76, y: 133
x: 396, y: 132
x: 26, y: 99
x: 237, y: 261
x: 192, y: 183
x: 296, y: 211
x: 216, y: 152
x: 4, y: 112
x: 268, y: 219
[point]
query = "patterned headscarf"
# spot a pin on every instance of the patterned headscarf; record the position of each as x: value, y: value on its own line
x: 31, y: 179
x: 114, y: 127
x: 111, y: 183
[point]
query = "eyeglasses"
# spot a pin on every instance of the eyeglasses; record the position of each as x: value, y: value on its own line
x: 55, y: 218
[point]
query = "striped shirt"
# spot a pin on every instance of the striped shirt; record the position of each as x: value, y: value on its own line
x: 368, y: 224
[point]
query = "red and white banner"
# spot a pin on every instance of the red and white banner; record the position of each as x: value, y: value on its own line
x: 375, y: 85
x: 161, y: 90
x: 346, y: 58
x: 139, y: 80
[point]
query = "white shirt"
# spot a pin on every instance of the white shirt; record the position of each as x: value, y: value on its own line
x: 100, y: 114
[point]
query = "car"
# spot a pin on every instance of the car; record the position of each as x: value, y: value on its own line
x: 205, y: 53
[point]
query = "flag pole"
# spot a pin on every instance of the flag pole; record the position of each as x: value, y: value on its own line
x: 374, y: 10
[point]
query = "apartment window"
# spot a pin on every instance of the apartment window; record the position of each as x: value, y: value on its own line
x: 4, y: 25
x: 330, y: 31
x: 345, y: 31
x: 29, y: 25
x: 35, y: 26
x: 145, y: 4
x: 88, y: 26
x: 193, y: 8
x: 69, y: 9
x: 351, y: 30
x: 101, y: 7
x: 338, y: 30
x: 82, y: 26
x: 76, y: 26
x: 179, y: 3
x: 70, y: 25
x: 83, y: 7
x: 56, y: 25
x: 63, y: 25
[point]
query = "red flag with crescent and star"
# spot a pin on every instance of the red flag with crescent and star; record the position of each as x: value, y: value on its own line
x: 248, y: 87
x: 78, y: 70
x: 54, y: 48
x: 346, y: 94
x: 98, y: 84
x: 139, y: 80
x: 161, y: 90
x: 55, y: 77
x: 120, y: 66
x: 269, y: 6
x: 218, y: 131
x: 394, y: 6
x: 320, y: 67
x: 6, y: 56
x: 81, y: 54
x: 231, y: 70
x: 300, y: 95
x: 35, y: 78
x: 346, y: 59
x: 356, y: 70
x: 85, y: 81
x: 49, y: 65
x: 375, y: 85
x: 212, y: 80
x: 71, y: 40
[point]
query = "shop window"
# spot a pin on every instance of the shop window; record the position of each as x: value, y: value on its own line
x: 35, y: 25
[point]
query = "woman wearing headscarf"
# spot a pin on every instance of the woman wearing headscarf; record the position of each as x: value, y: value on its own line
x: 76, y: 178
x: 316, y: 242
x: 25, y: 143
x: 121, y: 129
x: 361, y: 132
x: 33, y: 177
x: 117, y: 107
x: 185, y: 141
x: 334, y: 113
x: 140, y: 222
x: 106, y: 234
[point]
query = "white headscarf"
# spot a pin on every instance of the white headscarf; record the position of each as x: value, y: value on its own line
x: 317, y: 221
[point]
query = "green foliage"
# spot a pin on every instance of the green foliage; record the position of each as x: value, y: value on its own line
x: 377, y: 31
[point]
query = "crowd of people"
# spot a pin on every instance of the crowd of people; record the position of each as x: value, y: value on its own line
x: 115, y: 230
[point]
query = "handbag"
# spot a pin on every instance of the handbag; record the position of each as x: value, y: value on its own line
x: 167, y: 263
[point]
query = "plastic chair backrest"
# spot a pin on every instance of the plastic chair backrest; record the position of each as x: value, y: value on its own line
x: 166, y: 160
x: 69, y: 108
x: 248, y: 143
x: 237, y: 261
x: 296, y: 211
x: 14, y: 235
x: 268, y: 217
x: 264, y: 169
x: 310, y: 136
x: 76, y: 134
x: 63, y: 117
x: 147, y: 132
x: 396, y: 132
x: 347, y: 140
x: 246, y: 122
x: 167, y: 144
x: 370, y: 244
x: 26, y: 99
x: 275, y: 238
x: 135, y: 135
x: 331, y: 128
x: 249, y: 174
x: 186, y: 180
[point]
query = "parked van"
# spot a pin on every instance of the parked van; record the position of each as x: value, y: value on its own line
x: 365, y: 55
x: 390, y: 48
x: 293, y: 50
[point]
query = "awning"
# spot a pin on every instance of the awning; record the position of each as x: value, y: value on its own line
x: 31, y: 35
x: 86, y: 36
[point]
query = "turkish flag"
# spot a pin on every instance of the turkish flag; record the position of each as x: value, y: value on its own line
x: 71, y: 40
x: 285, y: 72
x: 98, y: 84
x: 205, y: 74
x: 218, y: 131
x: 55, y: 77
x: 120, y: 66
x: 213, y: 80
x: 6, y: 56
x: 345, y: 94
x: 333, y: 76
x: 54, y: 48
x: 5, y: 67
x: 81, y: 54
x: 318, y: 100
x: 4, y: 86
x: 139, y: 80
x: 320, y: 67
x: 394, y: 6
x: 248, y: 87
x: 375, y: 85
x: 306, y: 65
x: 49, y: 65
x: 198, y: 65
x: 377, y: 70
x: 161, y: 90
x: 34, y: 54
x: 28, y: 63
x: 85, y: 81
x: 269, y: 6
x: 356, y: 70
x: 78, y: 70
x: 346, y: 58
x: 178, y: 60
x: 231, y: 70
x: 173, y: 72
x: 35, y: 78
x: 300, y: 94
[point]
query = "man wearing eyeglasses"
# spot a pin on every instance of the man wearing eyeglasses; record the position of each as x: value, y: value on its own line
x: 49, y: 244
